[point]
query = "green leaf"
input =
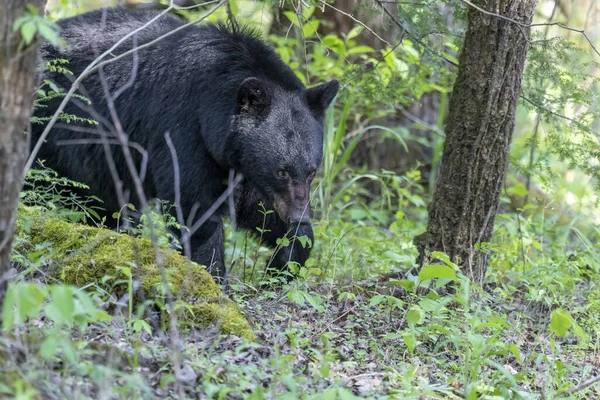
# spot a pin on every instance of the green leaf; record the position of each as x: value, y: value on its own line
x: 578, y: 331
x: 304, y: 241
x: 307, y: 12
x: 514, y: 349
x: 49, y: 347
x: 292, y: 17
x: 62, y: 306
x: 411, y: 342
x: 443, y: 257
x: 360, y: 50
x: 28, y: 31
x: 477, y: 342
x: 297, y: 297
x: 414, y: 315
x: 437, y: 271
x: 312, y: 300
x: 139, y: 325
x: 517, y: 190
x: 376, y: 300
x: 19, y: 22
x: 408, y: 285
x: 400, y: 258
x: 310, y: 28
x: 22, y: 301
x: 283, y: 242
x: 560, y: 322
x: 354, y: 32
x: 48, y: 31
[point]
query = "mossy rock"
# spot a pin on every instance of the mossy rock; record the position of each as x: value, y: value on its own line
x: 82, y: 255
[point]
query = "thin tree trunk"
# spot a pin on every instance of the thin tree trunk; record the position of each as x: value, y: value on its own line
x: 17, y: 78
x: 478, y: 135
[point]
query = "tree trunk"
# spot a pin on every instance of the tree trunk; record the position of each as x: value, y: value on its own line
x: 478, y: 135
x: 18, y: 77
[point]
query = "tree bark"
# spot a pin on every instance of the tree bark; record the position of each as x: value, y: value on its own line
x: 17, y: 78
x: 478, y: 134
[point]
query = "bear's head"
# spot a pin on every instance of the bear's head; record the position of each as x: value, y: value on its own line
x: 279, y: 142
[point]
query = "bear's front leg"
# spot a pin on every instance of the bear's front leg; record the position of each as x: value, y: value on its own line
x: 208, y: 249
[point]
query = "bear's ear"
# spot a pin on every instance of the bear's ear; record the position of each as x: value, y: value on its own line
x: 253, y: 98
x: 320, y: 97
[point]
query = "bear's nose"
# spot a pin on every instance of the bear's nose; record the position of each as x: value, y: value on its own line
x: 300, y: 192
x: 299, y: 219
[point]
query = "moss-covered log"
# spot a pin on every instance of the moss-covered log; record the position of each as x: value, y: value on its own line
x: 82, y: 255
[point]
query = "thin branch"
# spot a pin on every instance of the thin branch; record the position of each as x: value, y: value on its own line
x: 406, y: 31
x: 549, y: 111
x: 177, y: 187
x: 520, y: 24
x: 213, y: 209
x: 134, y: 145
x: 583, y: 385
x: 357, y: 21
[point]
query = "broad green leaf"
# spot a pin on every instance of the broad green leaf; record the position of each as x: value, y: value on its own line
x: 304, y: 241
x: 297, y: 297
x: 307, y: 12
x: 411, y: 342
x: 62, y: 299
x: 22, y: 301
x: 560, y: 321
x: 443, y: 257
x: 477, y: 342
x: 408, y: 285
x: 577, y: 331
x: 437, y: 271
x: 49, y: 347
x: 414, y: 315
x: 514, y: 349
x: 360, y: 50
x: 292, y: 17
x: 310, y: 28
x: 517, y: 190
x: 376, y: 300
x: 48, y: 31
x: 354, y: 32
x: 28, y: 31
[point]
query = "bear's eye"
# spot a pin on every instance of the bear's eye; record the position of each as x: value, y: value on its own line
x: 312, y: 173
x: 282, y: 173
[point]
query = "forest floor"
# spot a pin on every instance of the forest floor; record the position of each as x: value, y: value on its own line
x: 371, y: 339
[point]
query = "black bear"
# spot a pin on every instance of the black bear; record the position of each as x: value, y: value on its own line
x: 227, y: 101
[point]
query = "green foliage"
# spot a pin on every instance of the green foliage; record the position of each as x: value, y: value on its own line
x: 157, y: 222
x: 44, y: 188
x: 31, y: 23
x: 560, y: 87
x: 49, y: 91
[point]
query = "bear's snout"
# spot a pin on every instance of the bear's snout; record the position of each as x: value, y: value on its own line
x: 293, y: 206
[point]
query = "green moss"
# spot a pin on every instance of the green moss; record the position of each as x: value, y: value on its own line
x: 225, y: 311
x: 82, y: 255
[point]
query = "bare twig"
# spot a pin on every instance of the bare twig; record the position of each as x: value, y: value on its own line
x: 582, y: 385
x: 357, y: 21
x: 177, y: 183
x: 521, y: 24
x: 213, y: 209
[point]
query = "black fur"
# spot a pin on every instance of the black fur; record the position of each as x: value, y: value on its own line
x: 226, y: 99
